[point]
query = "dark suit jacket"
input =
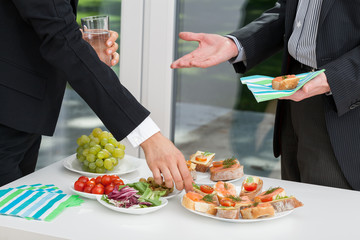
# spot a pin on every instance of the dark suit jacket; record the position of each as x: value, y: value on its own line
x: 337, y: 51
x: 41, y: 49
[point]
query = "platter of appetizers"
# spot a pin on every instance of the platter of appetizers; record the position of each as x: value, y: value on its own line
x: 205, y: 169
x: 246, y: 203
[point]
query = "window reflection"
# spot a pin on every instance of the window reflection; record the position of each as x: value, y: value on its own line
x: 214, y: 112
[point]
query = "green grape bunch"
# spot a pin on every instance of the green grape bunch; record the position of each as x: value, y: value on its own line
x: 99, y: 152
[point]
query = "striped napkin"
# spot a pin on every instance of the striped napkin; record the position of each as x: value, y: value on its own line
x: 38, y: 201
x: 262, y: 90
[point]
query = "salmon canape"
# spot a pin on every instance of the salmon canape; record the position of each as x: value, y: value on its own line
x: 227, y: 169
x: 258, y: 210
x: 223, y: 189
x: 270, y: 195
x: 197, y: 202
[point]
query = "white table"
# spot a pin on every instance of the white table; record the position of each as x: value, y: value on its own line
x: 328, y: 213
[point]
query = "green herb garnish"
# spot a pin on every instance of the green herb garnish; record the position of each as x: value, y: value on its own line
x: 196, y: 186
x: 208, y: 198
x: 229, y: 162
x: 256, y: 203
x: 235, y: 199
x: 250, y: 180
x: 207, y: 153
x: 271, y: 190
x: 226, y: 186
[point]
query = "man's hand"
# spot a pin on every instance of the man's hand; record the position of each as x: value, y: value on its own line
x: 213, y: 49
x: 112, y: 48
x: 164, y: 158
x: 318, y: 85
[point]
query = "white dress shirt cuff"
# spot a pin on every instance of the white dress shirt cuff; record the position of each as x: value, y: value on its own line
x: 142, y: 132
x: 241, y: 56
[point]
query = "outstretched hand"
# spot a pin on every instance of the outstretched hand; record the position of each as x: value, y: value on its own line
x: 213, y: 49
x: 318, y: 85
x: 163, y: 158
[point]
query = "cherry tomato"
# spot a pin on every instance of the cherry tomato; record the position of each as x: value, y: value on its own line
x: 217, y: 164
x: 99, y: 185
x: 201, y: 158
x: 79, y: 186
x: 88, y: 189
x: 109, y: 189
x: 105, y: 180
x: 206, y: 189
x: 98, y: 180
x: 83, y: 179
x: 250, y: 186
x: 90, y: 183
x: 114, y: 177
x: 98, y: 190
x: 226, y: 202
x: 118, y: 182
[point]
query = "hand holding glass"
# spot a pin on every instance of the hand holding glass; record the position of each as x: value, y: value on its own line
x: 96, y: 33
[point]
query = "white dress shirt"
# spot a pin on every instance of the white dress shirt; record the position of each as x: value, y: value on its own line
x: 142, y: 132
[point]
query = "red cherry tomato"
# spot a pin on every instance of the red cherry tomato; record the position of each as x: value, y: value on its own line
x: 206, y: 189
x: 98, y: 190
x: 79, y: 186
x: 98, y: 180
x: 109, y: 189
x: 83, y: 179
x: 90, y: 183
x: 99, y: 185
x: 217, y: 164
x: 88, y: 189
x: 226, y: 202
x: 114, y: 177
x: 201, y: 158
x: 250, y: 186
x: 118, y: 182
x: 105, y: 180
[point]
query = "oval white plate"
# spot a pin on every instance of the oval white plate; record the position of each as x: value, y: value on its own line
x: 84, y: 194
x: 240, y: 220
x: 126, y: 165
x: 132, y: 210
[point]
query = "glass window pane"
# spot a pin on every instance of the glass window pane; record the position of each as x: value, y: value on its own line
x: 76, y: 118
x: 214, y: 112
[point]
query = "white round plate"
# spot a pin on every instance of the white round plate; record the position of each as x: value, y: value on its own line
x: 84, y: 194
x: 204, y: 178
x: 132, y: 210
x: 126, y: 165
x: 240, y: 220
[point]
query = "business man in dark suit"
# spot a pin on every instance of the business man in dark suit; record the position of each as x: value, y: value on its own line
x: 41, y: 49
x: 317, y: 129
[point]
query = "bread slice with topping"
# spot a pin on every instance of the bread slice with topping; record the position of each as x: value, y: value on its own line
x: 197, y: 202
x: 251, y: 187
x: 258, y: 210
x: 202, y: 160
x: 227, y: 169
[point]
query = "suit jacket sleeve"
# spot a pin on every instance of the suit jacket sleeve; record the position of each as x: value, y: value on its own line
x: 63, y: 47
x: 343, y: 75
x: 262, y: 37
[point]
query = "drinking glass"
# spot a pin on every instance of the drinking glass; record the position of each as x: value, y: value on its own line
x: 96, y: 33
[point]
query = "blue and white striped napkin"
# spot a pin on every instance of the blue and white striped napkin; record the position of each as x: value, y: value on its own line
x: 40, y: 202
x: 262, y: 90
